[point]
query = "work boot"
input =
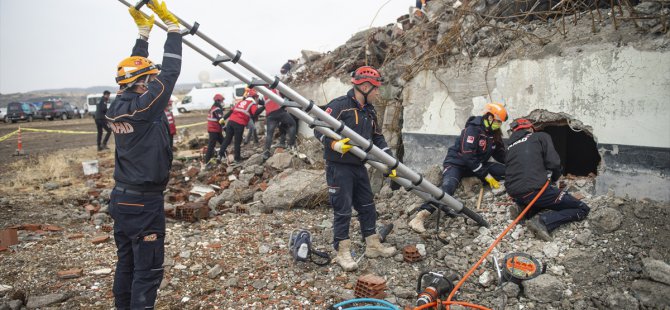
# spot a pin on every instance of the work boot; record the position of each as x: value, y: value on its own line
x: 538, y: 228
x: 417, y: 222
x: 104, y: 147
x: 266, y: 155
x: 374, y: 248
x: 343, y: 257
x: 99, y: 148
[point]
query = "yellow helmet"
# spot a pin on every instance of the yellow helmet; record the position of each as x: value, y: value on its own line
x: 133, y: 67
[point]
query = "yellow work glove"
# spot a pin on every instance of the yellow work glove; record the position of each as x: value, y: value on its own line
x: 161, y: 10
x: 392, y: 174
x: 492, y: 181
x: 143, y: 24
x: 222, y: 121
x: 341, y: 146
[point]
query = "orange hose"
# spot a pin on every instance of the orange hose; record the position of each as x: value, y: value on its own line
x: 493, y: 245
x: 465, y: 304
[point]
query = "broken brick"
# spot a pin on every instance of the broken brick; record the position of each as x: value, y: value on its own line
x: 75, y: 236
x: 91, y: 209
x: 578, y: 196
x: 51, y: 228
x: 192, y: 172
x: 32, y: 227
x: 8, y: 237
x: 106, y: 228
x: 99, y: 239
x: 71, y: 273
x: 263, y: 186
x: 2, y: 248
x: 94, y: 193
x: 214, y: 245
x: 224, y: 184
x: 209, y: 196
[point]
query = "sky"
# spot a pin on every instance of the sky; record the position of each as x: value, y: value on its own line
x: 47, y: 44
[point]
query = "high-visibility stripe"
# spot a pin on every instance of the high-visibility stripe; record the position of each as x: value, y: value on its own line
x: 172, y: 55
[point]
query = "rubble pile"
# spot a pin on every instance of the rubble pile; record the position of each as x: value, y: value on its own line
x: 237, y: 257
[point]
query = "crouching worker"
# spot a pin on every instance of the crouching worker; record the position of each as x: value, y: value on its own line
x: 142, y: 162
x: 469, y: 156
x: 531, y: 161
x: 346, y: 175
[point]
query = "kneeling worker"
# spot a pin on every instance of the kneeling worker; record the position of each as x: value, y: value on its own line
x: 531, y: 160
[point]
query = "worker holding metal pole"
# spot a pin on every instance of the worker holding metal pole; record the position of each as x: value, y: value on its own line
x: 346, y: 175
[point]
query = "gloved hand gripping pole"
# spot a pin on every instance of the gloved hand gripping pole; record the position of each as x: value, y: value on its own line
x: 325, y: 123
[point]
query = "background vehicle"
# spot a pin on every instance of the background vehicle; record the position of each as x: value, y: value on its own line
x: 92, y: 102
x: 56, y: 109
x: 3, y: 114
x: 202, y: 99
x: 21, y: 111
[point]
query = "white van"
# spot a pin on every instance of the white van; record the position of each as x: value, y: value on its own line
x: 92, y: 102
x: 202, y: 99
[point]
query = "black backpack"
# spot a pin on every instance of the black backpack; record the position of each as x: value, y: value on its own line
x: 300, y: 247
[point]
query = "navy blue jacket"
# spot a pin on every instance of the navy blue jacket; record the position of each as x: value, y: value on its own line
x: 475, y: 146
x: 143, y: 153
x: 362, y: 120
x: 101, y: 109
x: 530, y: 158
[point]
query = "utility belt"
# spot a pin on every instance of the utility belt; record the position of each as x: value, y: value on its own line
x: 124, y: 190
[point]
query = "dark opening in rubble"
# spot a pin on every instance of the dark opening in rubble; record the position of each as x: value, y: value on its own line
x: 578, y: 151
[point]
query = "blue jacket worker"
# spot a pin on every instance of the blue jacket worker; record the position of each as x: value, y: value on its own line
x: 480, y: 140
x: 142, y: 162
x: 531, y: 161
x: 346, y: 175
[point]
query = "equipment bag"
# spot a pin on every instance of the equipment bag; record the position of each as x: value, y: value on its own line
x: 300, y: 247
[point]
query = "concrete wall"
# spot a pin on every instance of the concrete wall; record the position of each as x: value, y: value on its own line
x: 620, y: 93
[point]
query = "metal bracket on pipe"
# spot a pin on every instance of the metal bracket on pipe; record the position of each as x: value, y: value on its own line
x: 140, y: 4
x: 191, y: 31
x: 257, y: 82
x: 318, y: 123
x: 290, y: 104
x: 220, y: 59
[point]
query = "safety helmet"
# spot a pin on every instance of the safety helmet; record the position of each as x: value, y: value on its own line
x: 366, y: 74
x: 521, y: 123
x: 497, y: 110
x: 218, y: 97
x: 250, y: 92
x: 133, y: 67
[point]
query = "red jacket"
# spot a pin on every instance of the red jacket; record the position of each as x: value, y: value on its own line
x: 171, y: 124
x: 213, y: 117
x: 242, y: 111
x: 270, y: 105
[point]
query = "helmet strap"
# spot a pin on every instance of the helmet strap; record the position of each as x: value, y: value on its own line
x: 365, y: 94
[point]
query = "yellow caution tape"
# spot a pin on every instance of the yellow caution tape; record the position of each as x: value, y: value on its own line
x: 7, y: 136
x: 191, y: 125
x: 58, y: 131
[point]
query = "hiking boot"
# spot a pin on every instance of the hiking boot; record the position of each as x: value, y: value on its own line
x: 99, y: 148
x: 104, y: 147
x: 266, y: 155
x: 343, y: 257
x: 374, y: 248
x: 417, y: 222
x: 538, y: 228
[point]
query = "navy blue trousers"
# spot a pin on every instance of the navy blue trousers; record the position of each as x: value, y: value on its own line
x: 349, y: 186
x: 139, y: 234
x: 452, y: 175
x: 562, y: 207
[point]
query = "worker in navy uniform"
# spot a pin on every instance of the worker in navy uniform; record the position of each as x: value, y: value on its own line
x: 480, y: 140
x: 143, y: 159
x: 346, y: 175
x: 100, y: 122
x: 531, y: 161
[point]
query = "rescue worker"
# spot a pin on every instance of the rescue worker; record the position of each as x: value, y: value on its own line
x: 172, y: 127
x: 100, y: 122
x: 480, y: 140
x: 142, y: 161
x: 531, y: 161
x: 346, y: 175
x: 238, y: 118
x: 276, y: 116
x: 215, y: 122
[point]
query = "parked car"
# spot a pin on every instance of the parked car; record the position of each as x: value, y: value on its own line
x: 56, y: 109
x: 21, y: 111
x: 202, y: 99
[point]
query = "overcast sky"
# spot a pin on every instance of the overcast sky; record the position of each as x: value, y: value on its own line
x: 47, y: 44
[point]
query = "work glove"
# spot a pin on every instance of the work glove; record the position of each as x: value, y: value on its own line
x: 161, y: 10
x: 392, y: 175
x: 492, y: 181
x: 222, y: 122
x: 341, y: 146
x: 143, y: 24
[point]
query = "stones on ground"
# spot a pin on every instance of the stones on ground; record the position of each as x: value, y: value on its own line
x: 214, y: 271
x: 280, y: 161
x: 5, y: 288
x: 254, y: 160
x: 584, y: 237
x: 545, y: 288
x: 103, y: 271
x: 623, y: 300
x: 550, y: 250
x: 651, y: 293
x: 606, y: 220
x: 656, y: 270
x: 49, y: 186
x: 45, y: 300
x: 296, y: 188
x: 486, y: 278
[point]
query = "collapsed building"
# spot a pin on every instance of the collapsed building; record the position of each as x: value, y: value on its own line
x: 597, y: 80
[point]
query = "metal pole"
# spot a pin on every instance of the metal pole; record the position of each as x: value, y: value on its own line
x: 410, y: 180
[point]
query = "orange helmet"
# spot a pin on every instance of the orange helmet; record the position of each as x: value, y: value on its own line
x: 366, y: 74
x: 218, y: 97
x: 250, y: 92
x: 521, y: 123
x: 133, y: 67
x: 497, y: 110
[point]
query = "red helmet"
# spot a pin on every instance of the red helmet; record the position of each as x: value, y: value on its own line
x: 250, y: 92
x: 218, y: 97
x: 521, y: 123
x: 366, y: 74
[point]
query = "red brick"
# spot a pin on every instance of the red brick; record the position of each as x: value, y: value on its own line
x: 99, y: 239
x: 75, y: 236
x: 2, y: 248
x: 32, y: 227
x: 578, y: 196
x: 51, y: 228
x: 94, y: 193
x: 71, y: 273
x: 8, y: 237
x: 92, y: 208
x: 193, y: 171
x: 209, y: 196
x: 263, y: 186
